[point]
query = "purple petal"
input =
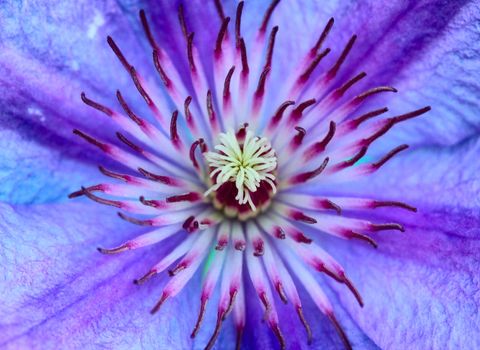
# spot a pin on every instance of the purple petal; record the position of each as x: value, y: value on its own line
x: 420, y: 288
x: 423, y: 48
x: 430, y: 177
x: 42, y: 75
x: 60, y: 292
x: 44, y: 71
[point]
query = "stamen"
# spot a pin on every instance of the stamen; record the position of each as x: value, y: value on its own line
x: 320, y: 146
x: 270, y: 47
x: 158, y: 178
x: 96, y: 105
x: 240, y: 245
x: 328, y: 204
x: 334, y: 70
x: 391, y: 226
x: 221, y: 35
x: 201, y: 314
x: 192, y: 152
x: 187, y: 197
x: 163, y: 75
x: 188, y: 114
x: 356, y: 122
x: 211, y: 112
x: 304, y: 177
x: 104, y: 147
x: 147, y: 30
x: 411, y: 115
x: 298, y: 138
x: 180, y: 267
x: 389, y: 123
x: 268, y: 14
x: 277, y: 117
x: 114, y: 175
x: 259, y: 92
x: 378, y: 204
x: 188, y: 222
x: 305, y: 324
x: 299, y: 216
x: 279, y: 233
x: 173, y: 128
x: 117, y: 250
x: 238, y: 22
x: 191, y: 61
x: 81, y: 192
x: 258, y: 247
x: 135, y: 221
x: 129, y: 112
x: 279, y: 335
x: 226, y: 86
x: 243, y: 51
x: 309, y: 70
x: 100, y: 200
x: 281, y: 292
x: 140, y: 88
x: 352, y: 234
x: 340, y: 331
x: 238, y: 341
x: 297, y: 112
x: 159, y: 304
x: 351, y: 161
x: 322, y: 37
x: 352, y: 288
x: 358, y: 99
x: 389, y: 156
x: 341, y: 91
x: 118, y: 53
x: 219, y: 8
x: 181, y: 19
x: 222, y: 243
x: 216, y: 332
x: 301, y: 238
x: 233, y: 295
x: 145, y: 277
x: 129, y: 143
x: 376, y: 135
x: 152, y: 203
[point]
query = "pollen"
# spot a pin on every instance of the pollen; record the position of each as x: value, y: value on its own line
x: 247, y: 163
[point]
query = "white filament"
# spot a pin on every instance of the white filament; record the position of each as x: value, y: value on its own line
x: 246, y: 167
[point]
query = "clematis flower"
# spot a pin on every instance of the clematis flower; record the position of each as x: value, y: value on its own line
x: 257, y: 154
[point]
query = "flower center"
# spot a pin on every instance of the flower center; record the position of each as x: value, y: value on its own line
x: 242, y: 173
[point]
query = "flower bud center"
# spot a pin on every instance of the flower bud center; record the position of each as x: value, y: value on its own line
x: 242, y: 172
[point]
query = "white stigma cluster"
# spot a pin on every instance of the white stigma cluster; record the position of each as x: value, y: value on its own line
x: 246, y: 165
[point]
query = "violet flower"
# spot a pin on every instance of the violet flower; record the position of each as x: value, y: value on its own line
x: 260, y: 165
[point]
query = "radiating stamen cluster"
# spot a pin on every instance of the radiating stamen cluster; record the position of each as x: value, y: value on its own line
x: 245, y: 162
x: 241, y: 209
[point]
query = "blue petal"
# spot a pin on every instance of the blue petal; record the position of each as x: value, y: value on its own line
x: 37, y: 166
x: 56, y: 51
x: 49, y: 54
x: 431, y: 177
x: 59, y: 292
x: 421, y: 287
